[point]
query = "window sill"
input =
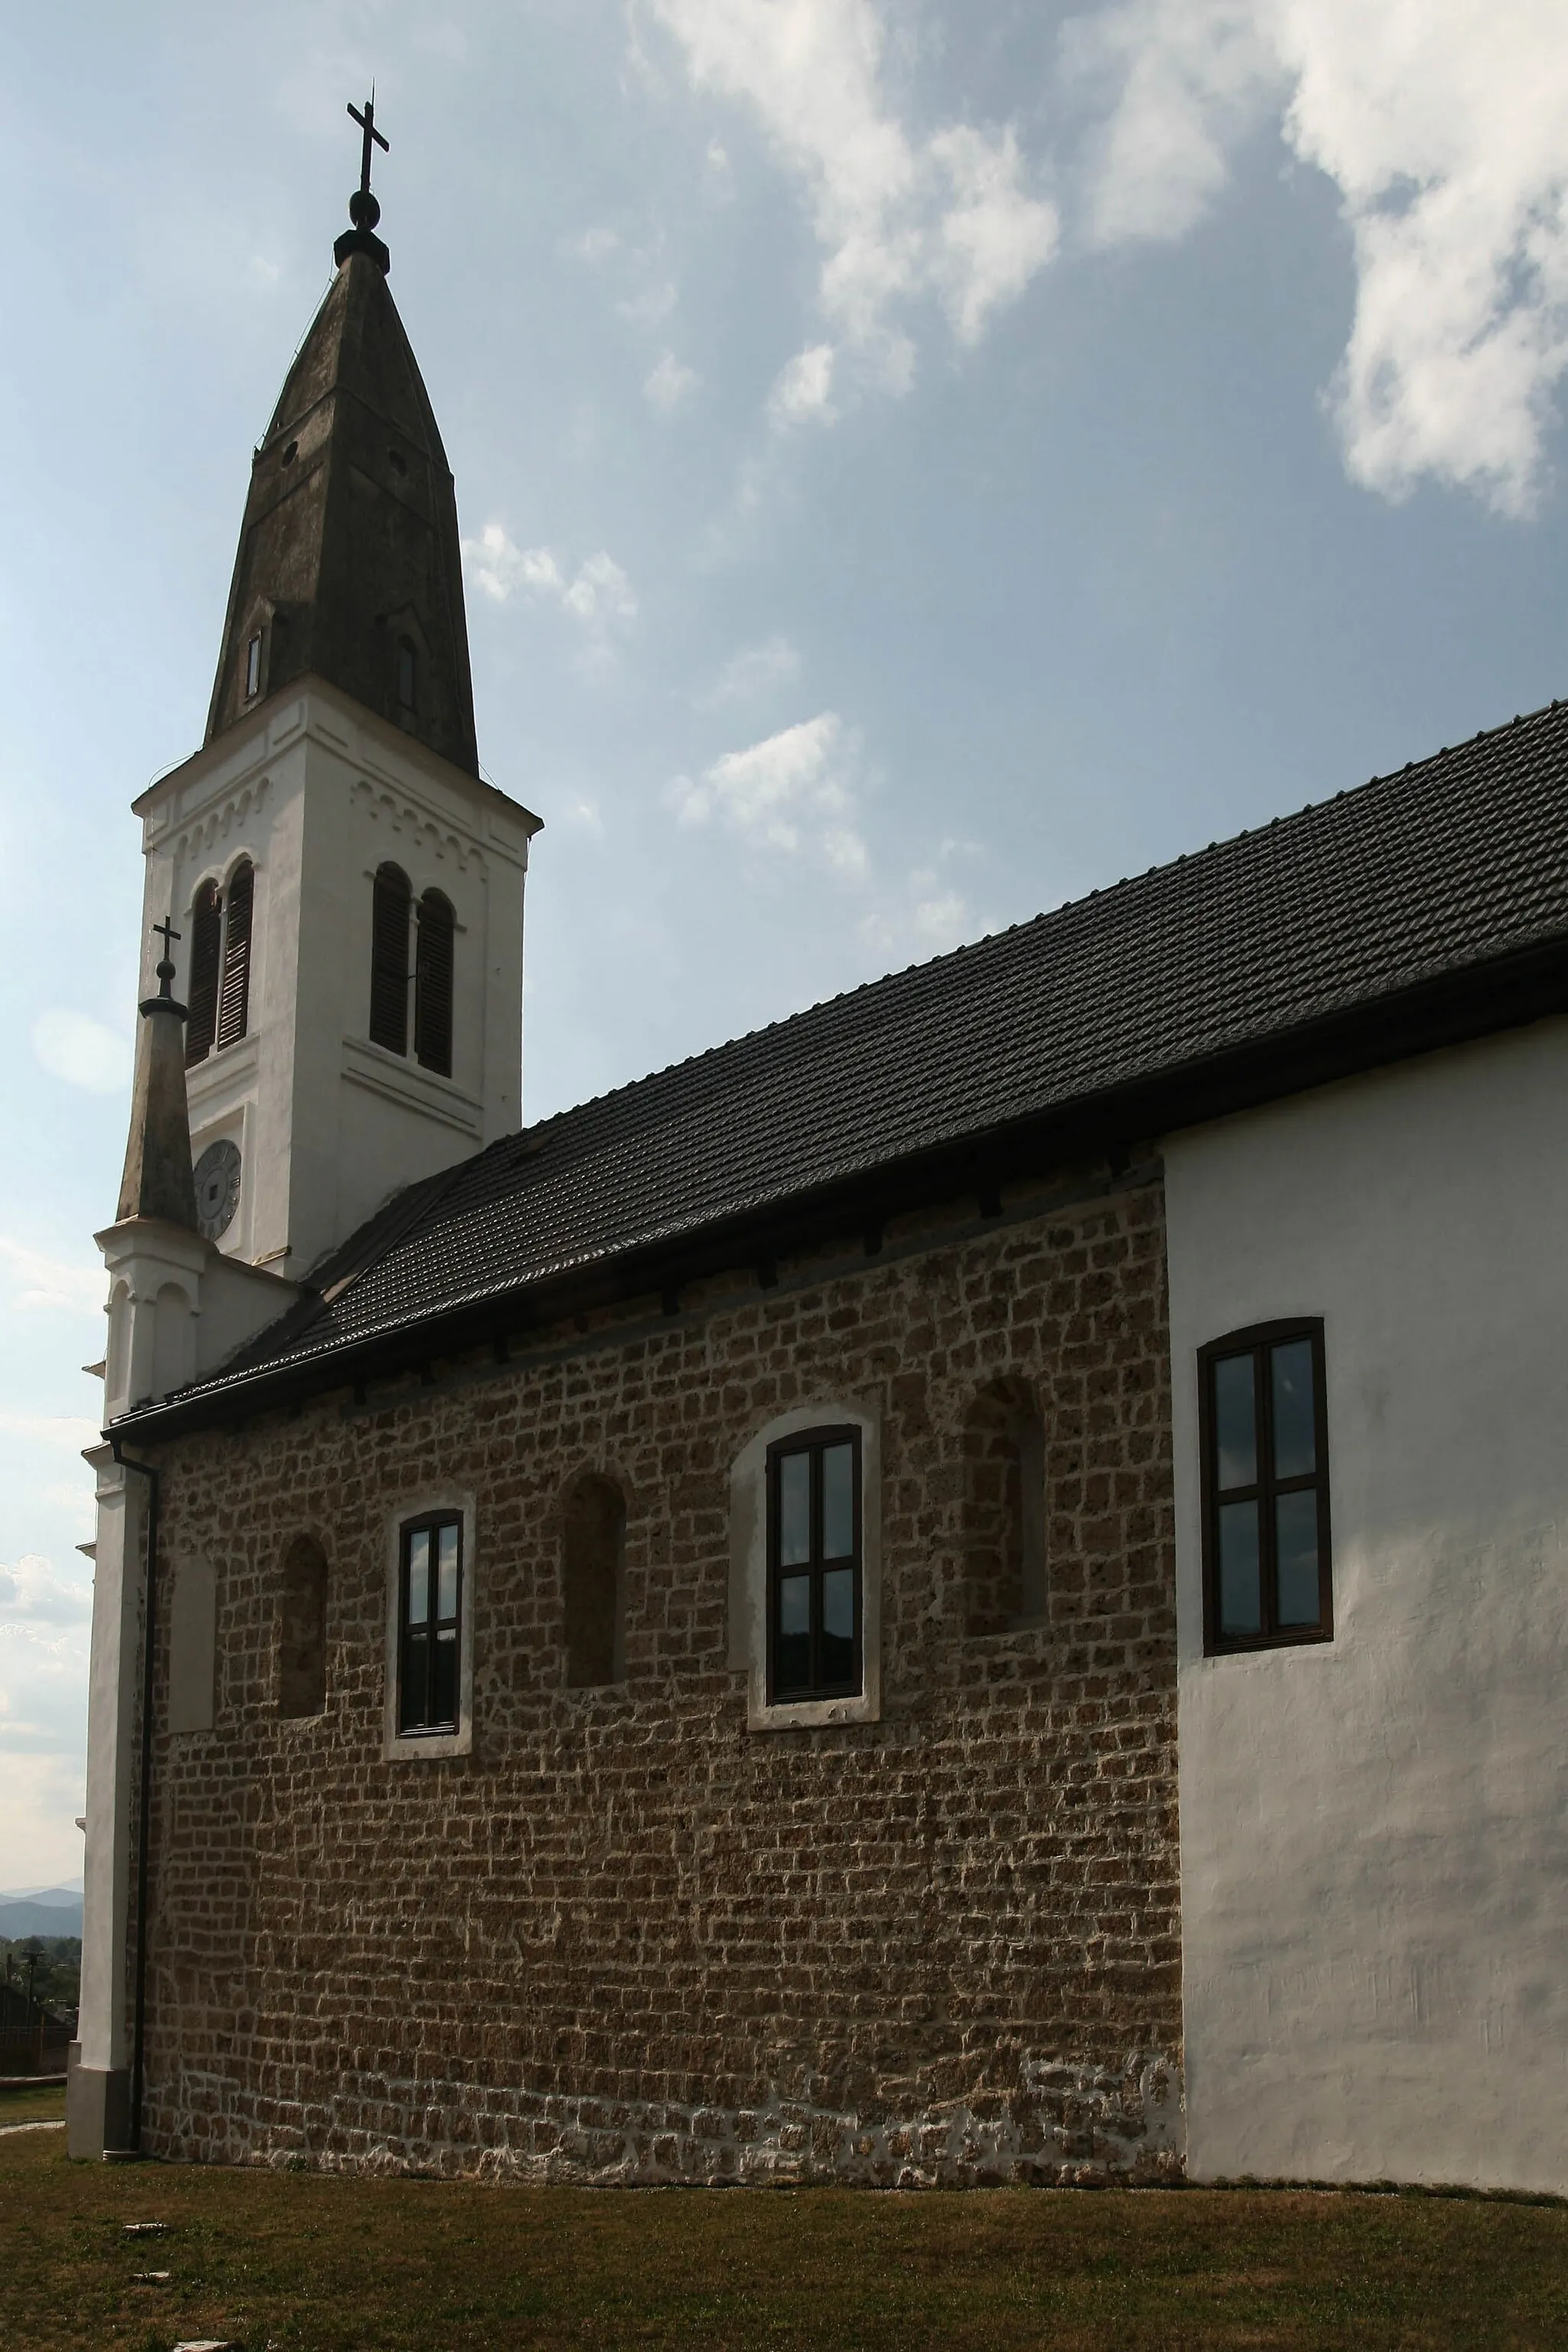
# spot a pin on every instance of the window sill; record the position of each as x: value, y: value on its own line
x: 811, y: 1714
x: 428, y: 1747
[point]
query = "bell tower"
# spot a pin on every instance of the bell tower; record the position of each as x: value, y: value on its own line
x: 344, y: 893
x: 347, y: 886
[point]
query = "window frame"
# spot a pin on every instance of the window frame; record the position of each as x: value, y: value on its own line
x: 814, y: 1442
x: 434, y: 1506
x: 432, y: 1524
x: 1259, y: 1340
x: 747, y: 1600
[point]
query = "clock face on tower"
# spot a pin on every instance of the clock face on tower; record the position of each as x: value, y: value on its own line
x: 218, y: 1188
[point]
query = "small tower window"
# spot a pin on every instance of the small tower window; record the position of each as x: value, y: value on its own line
x: 389, y: 959
x: 233, y: 989
x: 433, y: 983
x: 206, y: 960
x: 407, y: 675
x: 253, y: 667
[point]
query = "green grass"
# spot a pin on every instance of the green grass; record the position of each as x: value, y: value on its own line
x: 45, y: 2104
x: 305, y: 2262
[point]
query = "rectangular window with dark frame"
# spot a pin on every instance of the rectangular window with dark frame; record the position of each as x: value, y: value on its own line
x: 1263, y: 1431
x: 429, y: 1603
x: 814, y: 1566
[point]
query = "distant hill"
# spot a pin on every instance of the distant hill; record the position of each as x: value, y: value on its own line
x: 55, y: 1913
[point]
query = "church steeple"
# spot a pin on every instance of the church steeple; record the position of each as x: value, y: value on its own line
x: 349, y: 568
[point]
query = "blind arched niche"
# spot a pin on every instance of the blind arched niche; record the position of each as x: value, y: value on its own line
x: 593, y: 1576
x: 302, y: 1630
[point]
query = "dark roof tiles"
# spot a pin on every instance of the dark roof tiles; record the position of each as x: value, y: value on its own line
x: 1454, y: 861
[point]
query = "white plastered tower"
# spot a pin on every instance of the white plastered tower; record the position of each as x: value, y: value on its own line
x: 316, y: 795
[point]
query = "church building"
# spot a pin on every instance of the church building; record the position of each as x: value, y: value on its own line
x: 970, y: 1588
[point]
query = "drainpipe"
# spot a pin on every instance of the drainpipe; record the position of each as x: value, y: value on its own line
x: 150, y: 1635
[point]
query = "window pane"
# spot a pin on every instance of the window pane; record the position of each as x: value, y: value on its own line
x: 838, y: 1502
x: 838, y: 1625
x: 415, y: 1656
x: 1235, y: 1421
x: 419, y: 1576
x: 447, y: 1575
x: 1295, y: 1441
x: 1296, y: 1535
x: 791, y: 1654
x: 795, y: 1509
x: 1240, y: 1588
x: 443, y: 1679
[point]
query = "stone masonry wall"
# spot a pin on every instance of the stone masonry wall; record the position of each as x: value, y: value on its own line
x: 626, y: 1939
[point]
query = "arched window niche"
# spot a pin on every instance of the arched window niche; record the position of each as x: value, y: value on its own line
x: 433, y: 970
x: 594, y: 1555
x: 1004, y: 1509
x: 392, y: 898
x: 302, y: 1631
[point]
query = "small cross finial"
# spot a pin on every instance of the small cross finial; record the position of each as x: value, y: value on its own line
x: 363, y: 209
x: 165, y: 968
x: 373, y: 138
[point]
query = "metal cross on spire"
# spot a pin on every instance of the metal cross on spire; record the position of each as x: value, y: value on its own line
x: 363, y: 209
x: 373, y: 137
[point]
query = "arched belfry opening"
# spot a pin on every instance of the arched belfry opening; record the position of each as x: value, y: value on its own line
x: 593, y: 1581
x: 435, y: 950
x: 222, y: 921
x: 1004, y: 1536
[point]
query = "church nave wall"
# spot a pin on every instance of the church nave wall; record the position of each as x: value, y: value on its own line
x: 623, y: 1936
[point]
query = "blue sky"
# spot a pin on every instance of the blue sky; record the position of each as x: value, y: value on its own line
x: 917, y: 463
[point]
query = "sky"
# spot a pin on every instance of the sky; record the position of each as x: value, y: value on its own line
x: 917, y: 463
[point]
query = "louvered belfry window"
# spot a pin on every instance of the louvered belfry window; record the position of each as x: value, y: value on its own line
x: 233, y: 989
x: 433, y: 983
x: 389, y: 960
x: 206, y: 957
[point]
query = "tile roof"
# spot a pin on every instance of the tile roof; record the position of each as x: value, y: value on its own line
x: 1455, y: 862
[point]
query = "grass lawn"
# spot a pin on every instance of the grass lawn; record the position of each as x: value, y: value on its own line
x: 324, y: 2263
x: 46, y: 2105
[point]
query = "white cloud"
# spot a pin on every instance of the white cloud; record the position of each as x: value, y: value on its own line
x: 793, y: 791
x: 1440, y: 122
x: 82, y: 1051
x: 924, y: 921
x: 670, y: 382
x: 35, y: 1280
x: 1444, y: 127
x: 599, y: 591
x: 34, y: 1591
x: 752, y: 674
x: 802, y: 389
x: 898, y: 216
x: 652, y: 307
x: 593, y: 245
x: 1183, y: 79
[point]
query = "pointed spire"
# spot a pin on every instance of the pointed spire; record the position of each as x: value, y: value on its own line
x: 349, y: 566
x: 158, y: 1181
